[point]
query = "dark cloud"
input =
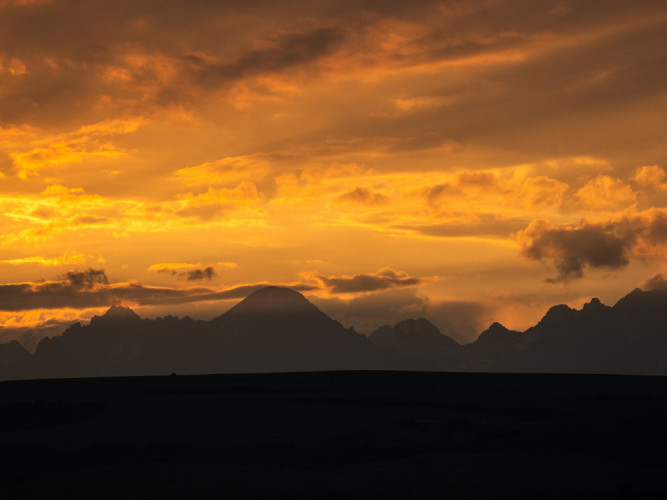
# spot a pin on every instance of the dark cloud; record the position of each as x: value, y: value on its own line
x: 598, y: 60
x: 86, y: 279
x: 286, y: 51
x: 88, y: 289
x: 656, y: 229
x: 363, y: 196
x: 191, y: 274
x: 383, y: 279
x: 656, y: 282
x: 162, y: 57
x: 544, y: 103
x: 597, y: 245
x: 572, y: 249
x: 485, y: 225
x: 200, y: 274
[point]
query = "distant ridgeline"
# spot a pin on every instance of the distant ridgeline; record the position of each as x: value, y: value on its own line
x: 278, y: 329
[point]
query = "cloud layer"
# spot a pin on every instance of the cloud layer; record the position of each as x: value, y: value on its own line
x: 384, y: 279
x: 91, y: 288
x: 597, y: 245
x: 461, y: 140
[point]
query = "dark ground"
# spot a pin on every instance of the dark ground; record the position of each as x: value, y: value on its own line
x: 335, y: 435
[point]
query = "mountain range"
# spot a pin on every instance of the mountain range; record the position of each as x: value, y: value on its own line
x: 277, y: 329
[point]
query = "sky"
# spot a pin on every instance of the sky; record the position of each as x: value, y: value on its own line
x: 464, y: 161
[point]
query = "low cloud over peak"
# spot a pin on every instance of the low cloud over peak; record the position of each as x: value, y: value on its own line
x: 87, y: 279
x: 186, y: 271
x: 92, y: 289
x: 656, y: 282
x: 200, y: 274
x: 383, y: 279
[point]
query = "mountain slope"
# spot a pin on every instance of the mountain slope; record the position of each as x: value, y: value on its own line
x: 274, y: 329
x: 278, y: 329
x: 595, y: 339
x: 12, y: 354
x: 494, y: 350
x: 419, y: 339
x: 116, y: 344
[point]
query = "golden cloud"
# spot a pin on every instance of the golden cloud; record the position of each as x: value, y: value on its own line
x: 651, y: 177
x: 223, y: 171
x: 69, y: 258
x: 363, y: 196
x: 605, y: 192
x: 31, y: 150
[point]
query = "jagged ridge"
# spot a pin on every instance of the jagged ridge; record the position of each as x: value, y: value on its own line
x: 278, y: 329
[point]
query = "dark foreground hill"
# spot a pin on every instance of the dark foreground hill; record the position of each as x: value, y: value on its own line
x: 335, y: 435
x: 278, y: 330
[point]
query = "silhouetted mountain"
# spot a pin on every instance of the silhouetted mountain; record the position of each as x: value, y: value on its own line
x: 118, y: 314
x: 643, y: 317
x: 118, y: 343
x: 420, y: 339
x: 273, y: 302
x: 595, y: 339
x: 12, y: 353
x: 494, y: 338
x: 493, y: 350
x: 277, y: 329
x: 274, y: 329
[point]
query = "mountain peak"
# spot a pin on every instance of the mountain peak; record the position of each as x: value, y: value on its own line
x: 273, y: 299
x: 417, y: 337
x: 421, y: 324
x: 494, y: 334
x: 595, y: 305
x: 557, y: 315
x: 274, y: 292
x: 497, y: 327
x: 120, y: 313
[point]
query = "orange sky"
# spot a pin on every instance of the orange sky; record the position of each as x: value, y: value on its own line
x: 466, y: 161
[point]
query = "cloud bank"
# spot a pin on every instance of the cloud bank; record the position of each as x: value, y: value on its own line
x: 384, y: 279
x: 610, y: 244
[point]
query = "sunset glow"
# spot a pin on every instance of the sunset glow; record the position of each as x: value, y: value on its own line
x: 464, y: 161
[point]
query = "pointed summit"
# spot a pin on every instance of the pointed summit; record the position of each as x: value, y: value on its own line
x: 418, y: 338
x: 273, y: 300
x: 495, y: 337
x: 497, y: 328
x: 594, y: 305
x: 278, y: 329
x: 557, y: 316
x: 275, y: 308
x: 118, y: 313
x: 12, y: 352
